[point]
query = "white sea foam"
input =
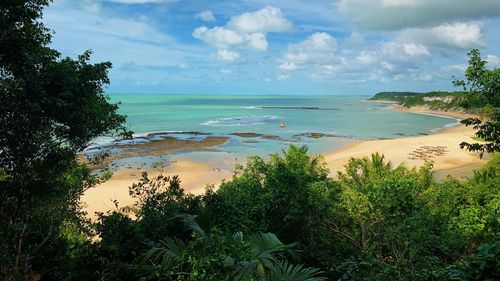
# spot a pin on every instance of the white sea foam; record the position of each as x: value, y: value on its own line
x: 250, y: 120
x: 102, y: 142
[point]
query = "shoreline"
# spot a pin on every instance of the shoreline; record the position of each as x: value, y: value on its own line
x: 440, y: 146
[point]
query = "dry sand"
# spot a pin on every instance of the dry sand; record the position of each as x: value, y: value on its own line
x: 194, y: 178
x: 442, y: 148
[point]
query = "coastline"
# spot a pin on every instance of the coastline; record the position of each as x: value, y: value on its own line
x: 441, y: 147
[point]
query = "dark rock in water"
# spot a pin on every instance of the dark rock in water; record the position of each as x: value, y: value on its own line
x: 247, y: 135
x: 400, y: 134
x: 312, y: 135
x: 423, y: 134
x: 257, y: 135
x: 250, y: 141
x: 298, y: 107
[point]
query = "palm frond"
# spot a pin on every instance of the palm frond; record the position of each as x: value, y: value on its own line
x: 283, y: 271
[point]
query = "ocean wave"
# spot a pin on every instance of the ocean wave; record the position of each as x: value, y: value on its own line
x: 250, y: 120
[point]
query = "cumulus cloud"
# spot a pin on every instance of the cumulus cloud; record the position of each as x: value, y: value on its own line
x: 459, y: 35
x: 320, y: 57
x: 245, y: 31
x: 399, y: 14
x: 206, y: 16
x: 389, y: 60
x: 227, y: 55
x: 493, y: 61
x: 267, y: 19
x: 316, y: 49
x: 219, y: 37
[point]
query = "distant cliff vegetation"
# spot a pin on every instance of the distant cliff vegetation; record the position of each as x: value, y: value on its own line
x: 435, y: 100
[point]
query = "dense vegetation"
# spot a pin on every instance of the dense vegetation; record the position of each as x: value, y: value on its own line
x: 51, y: 107
x: 281, y: 219
x: 373, y: 222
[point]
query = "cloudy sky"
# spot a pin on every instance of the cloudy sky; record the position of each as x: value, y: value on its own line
x: 278, y: 47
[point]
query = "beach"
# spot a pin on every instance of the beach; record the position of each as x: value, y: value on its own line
x: 441, y: 147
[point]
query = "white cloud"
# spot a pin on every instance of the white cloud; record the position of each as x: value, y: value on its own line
x: 282, y: 77
x: 257, y: 41
x: 80, y: 21
x: 316, y: 49
x: 140, y: 1
x: 388, y: 61
x: 448, y: 71
x: 267, y: 19
x: 458, y: 35
x: 245, y: 31
x: 493, y: 61
x: 140, y: 43
x: 398, y: 14
x: 399, y: 3
x: 288, y: 66
x: 227, y: 55
x: 225, y: 71
x: 219, y: 37
x: 424, y: 77
x: 318, y: 57
x: 183, y: 65
x: 206, y: 16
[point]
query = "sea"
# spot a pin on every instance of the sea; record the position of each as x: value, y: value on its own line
x: 336, y: 119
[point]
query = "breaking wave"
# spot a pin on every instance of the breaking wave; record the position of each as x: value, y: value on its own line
x: 250, y: 120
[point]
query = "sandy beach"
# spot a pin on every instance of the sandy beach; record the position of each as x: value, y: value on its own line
x: 441, y: 147
x: 194, y: 178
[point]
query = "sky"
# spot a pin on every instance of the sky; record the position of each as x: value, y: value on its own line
x: 271, y: 47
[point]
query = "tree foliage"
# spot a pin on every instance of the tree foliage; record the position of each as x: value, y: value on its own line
x: 482, y: 85
x: 51, y: 107
x: 482, y: 88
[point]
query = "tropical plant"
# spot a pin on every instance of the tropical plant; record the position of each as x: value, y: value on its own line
x: 260, y: 256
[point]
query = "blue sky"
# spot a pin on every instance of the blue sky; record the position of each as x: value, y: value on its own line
x: 278, y: 47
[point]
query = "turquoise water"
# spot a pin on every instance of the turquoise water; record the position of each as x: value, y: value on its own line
x: 344, y: 117
x: 347, y: 116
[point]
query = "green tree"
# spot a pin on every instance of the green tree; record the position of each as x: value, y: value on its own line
x: 482, y: 85
x: 284, y: 195
x: 488, y: 131
x: 51, y: 107
x: 482, y: 90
